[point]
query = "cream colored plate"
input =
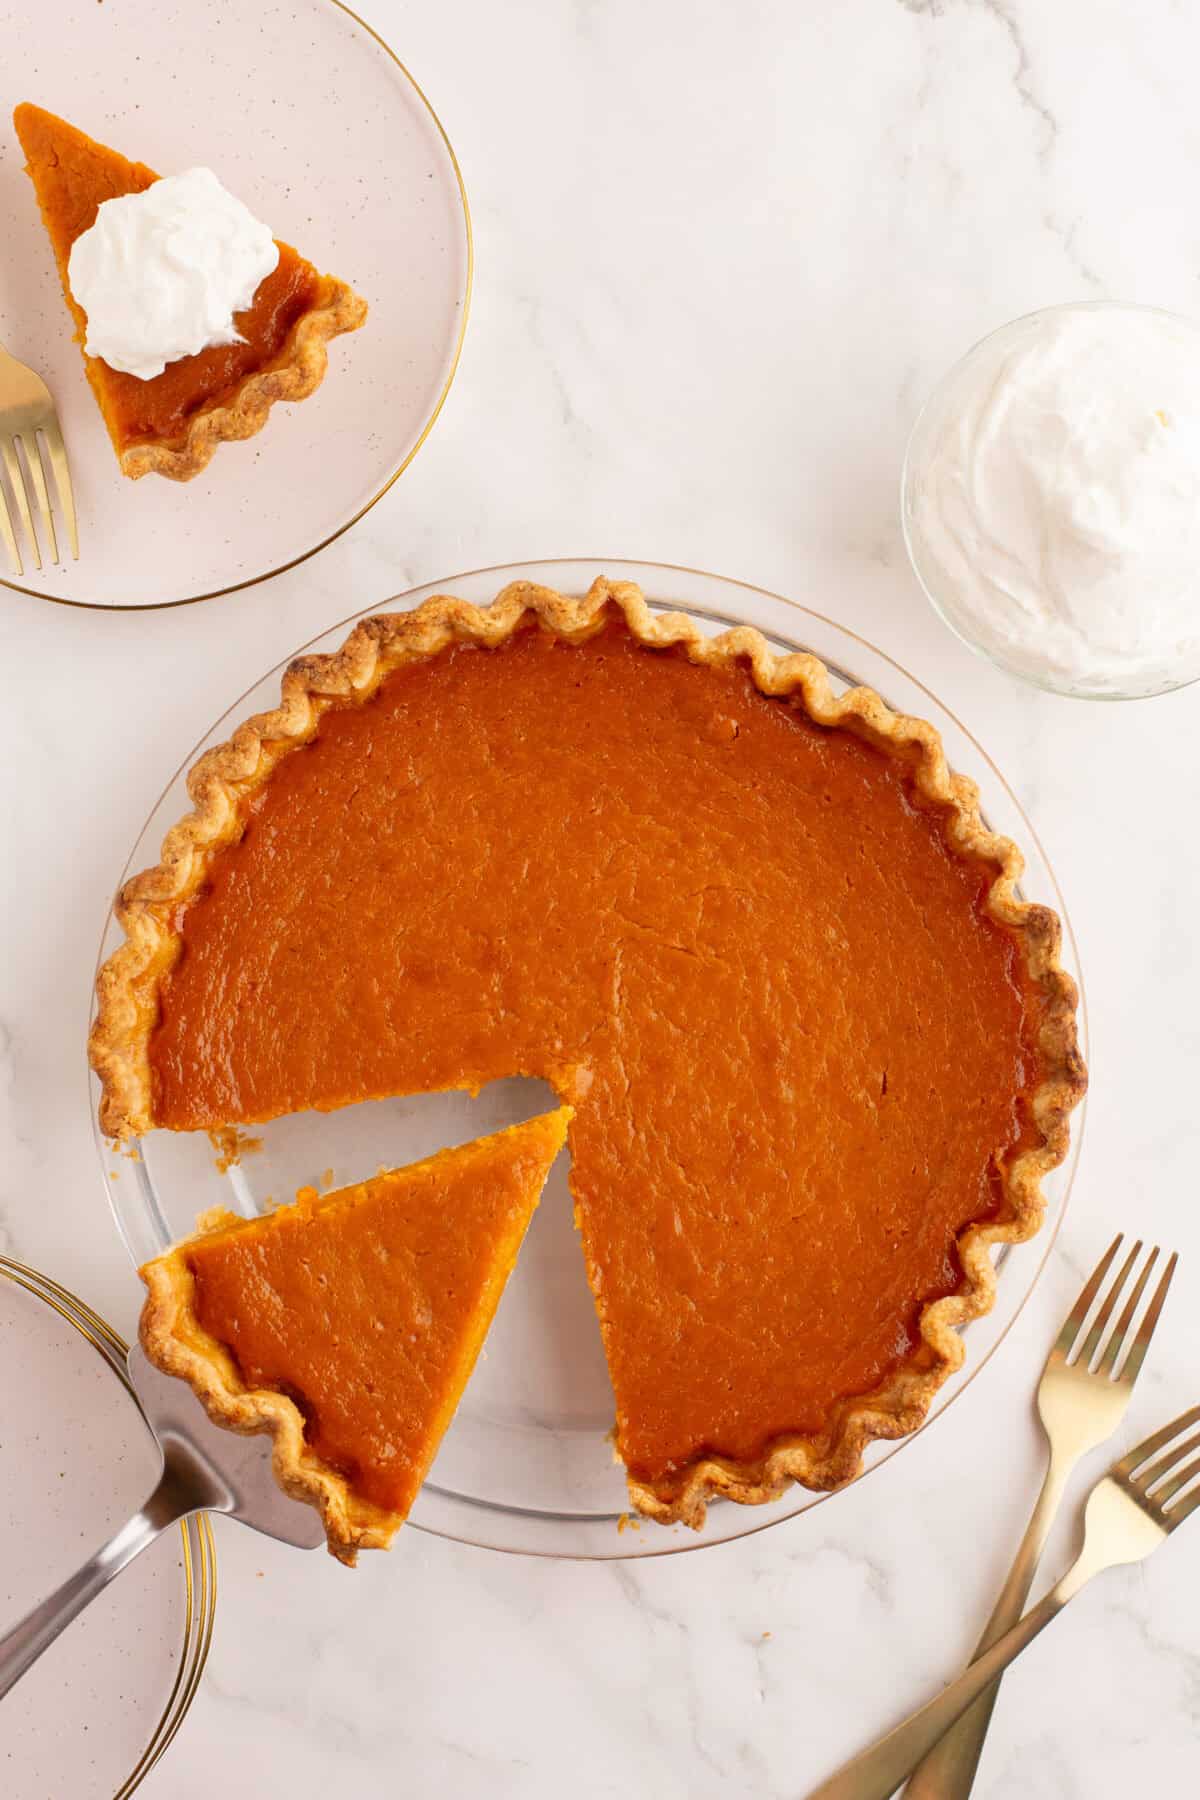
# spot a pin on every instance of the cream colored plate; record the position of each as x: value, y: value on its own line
x: 76, y: 1458
x: 349, y: 163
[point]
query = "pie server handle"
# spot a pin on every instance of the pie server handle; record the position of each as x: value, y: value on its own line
x: 181, y: 1490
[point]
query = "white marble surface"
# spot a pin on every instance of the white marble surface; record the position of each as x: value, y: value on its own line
x: 722, y: 253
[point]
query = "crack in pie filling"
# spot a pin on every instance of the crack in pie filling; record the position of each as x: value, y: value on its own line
x: 820, y: 1052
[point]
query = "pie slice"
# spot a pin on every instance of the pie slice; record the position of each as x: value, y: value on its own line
x: 171, y: 424
x: 347, y: 1324
x: 821, y: 1051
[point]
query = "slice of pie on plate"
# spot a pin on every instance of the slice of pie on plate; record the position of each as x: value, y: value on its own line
x: 347, y: 1324
x: 821, y: 1051
x: 172, y: 423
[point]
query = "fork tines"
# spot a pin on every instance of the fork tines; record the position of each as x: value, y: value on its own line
x: 1097, y: 1349
x: 1157, y: 1479
x: 23, y: 485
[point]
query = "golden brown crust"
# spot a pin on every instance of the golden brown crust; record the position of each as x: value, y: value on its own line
x: 293, y: 376
x: 147, y: 909
x: 174, y: 1339
x: 176, y: 1342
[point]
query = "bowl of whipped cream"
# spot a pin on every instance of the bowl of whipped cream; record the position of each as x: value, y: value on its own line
x: 1050, y: 499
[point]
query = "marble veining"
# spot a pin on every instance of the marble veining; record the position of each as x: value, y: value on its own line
x: 722, y: 256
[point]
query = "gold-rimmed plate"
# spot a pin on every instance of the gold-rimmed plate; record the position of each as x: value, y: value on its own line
x: 75, y: 1458
x: 311, y: 119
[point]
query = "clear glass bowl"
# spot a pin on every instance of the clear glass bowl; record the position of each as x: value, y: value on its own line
x: 942, y: 409
x: 527, y: 1464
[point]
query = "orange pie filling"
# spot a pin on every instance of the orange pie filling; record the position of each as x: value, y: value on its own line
x: 160, y: 409
x: 367, y: 1307
x: 73, y: 176
x: 799, y: 1046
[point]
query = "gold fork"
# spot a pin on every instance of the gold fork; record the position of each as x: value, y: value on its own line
x: 1081, y: 1401
x: 1130, y: 1512
x: 28, y: 419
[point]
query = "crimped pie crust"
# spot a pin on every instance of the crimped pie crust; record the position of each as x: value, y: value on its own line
x: 147, y: 909
x: 293, y: 375
x: 177, y: 1343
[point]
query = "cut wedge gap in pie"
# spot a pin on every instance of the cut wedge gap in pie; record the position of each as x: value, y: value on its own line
x: 172, y: 423
x: 821, y: 1051
x: 347, y: 1324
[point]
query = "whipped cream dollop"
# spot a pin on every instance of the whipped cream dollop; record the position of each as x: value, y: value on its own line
x: 1053, y: 498
x: 161, y: 274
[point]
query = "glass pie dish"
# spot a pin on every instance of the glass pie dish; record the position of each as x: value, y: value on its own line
x: 527, y: 1464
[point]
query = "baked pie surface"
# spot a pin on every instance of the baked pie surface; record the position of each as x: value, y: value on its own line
x: 347, y: 1324
x: 821, y: 1054
x: 172, y: 424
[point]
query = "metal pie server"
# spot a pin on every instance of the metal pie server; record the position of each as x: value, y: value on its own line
x: 205, y: 1469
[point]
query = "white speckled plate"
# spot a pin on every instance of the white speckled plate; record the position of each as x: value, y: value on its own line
x: 313, y: 121
x: 76, y: 1460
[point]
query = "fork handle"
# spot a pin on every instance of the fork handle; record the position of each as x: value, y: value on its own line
x: 878, y: 1772
x: 948, y: 1772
